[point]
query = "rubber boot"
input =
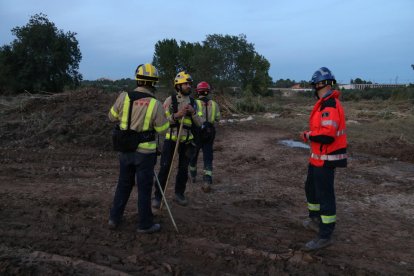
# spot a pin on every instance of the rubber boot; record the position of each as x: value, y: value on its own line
x: 317, y: 243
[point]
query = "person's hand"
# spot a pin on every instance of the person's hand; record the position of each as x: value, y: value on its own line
x: 180, y: 113
x: 190, y: 110
x: 305, y: 136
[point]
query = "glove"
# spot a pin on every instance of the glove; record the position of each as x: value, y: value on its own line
x: 305, y: 136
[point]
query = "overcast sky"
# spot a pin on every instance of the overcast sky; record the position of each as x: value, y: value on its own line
x: 370, y: 39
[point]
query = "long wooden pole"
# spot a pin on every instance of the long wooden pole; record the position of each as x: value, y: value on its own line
x: 165, y: 200
x: 177, y: 144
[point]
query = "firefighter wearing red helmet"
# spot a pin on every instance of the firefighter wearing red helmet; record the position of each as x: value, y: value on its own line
x: 209, y: 111
x: 328, y: 144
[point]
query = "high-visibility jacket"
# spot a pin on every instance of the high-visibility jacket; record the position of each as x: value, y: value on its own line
x: 186, y: 134
x: 147, y: 114
x: 327, y: 132
x: 211, y: 108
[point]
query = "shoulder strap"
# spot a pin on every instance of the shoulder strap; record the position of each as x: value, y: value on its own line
x: 174, y: 103
x: 134, y: 96
x: 206, y: 100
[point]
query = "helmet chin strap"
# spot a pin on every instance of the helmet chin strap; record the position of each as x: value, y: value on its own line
x: 318, y: 89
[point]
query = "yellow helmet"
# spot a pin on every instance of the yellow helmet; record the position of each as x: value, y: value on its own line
x: 146, y: 73
x: 182, y: 77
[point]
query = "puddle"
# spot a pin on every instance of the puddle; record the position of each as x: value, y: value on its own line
x: 294, y: 144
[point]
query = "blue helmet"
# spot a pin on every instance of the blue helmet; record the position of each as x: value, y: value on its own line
x: 322, y: 74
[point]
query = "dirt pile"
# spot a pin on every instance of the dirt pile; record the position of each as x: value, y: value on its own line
x: 74, y: 117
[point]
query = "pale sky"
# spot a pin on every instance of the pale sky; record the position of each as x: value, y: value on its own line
x: 369, y: 39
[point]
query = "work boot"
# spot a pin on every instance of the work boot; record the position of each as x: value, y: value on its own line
x: 112, y: 224
x: 317, y: 243
x: 156, y: 203
x: 193, y: 175
x: 312, y: 224
x: 207, y: 181
x: 206, y: 187
x: 181, y: 200
x: 154, y: 228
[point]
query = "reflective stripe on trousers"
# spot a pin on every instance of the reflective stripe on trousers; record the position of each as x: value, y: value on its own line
x: 314, y: 207
x: 328, y: 219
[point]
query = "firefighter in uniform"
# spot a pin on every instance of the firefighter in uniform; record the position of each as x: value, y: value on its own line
x: 179, y: 107
x: 328, y: 144
x: 140, y: 111
x: 209, y: 111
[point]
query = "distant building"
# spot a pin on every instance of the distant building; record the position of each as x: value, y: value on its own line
x: 104, y: 79
x: 370, y: 85
x: 288, y: 92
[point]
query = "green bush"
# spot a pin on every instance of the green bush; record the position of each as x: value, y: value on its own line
x: 404, y: 93
x: 249, y: 103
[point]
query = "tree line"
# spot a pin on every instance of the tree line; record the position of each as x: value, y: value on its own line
x: 44, y: 58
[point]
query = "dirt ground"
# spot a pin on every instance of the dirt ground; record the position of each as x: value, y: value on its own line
x: 58, y: 175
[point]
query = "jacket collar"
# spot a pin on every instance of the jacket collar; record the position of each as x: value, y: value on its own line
x: 331, y: 94
x: 145, y: 89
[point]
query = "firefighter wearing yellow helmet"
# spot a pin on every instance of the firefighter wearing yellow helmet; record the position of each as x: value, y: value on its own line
x: 139, y: 116
x: 179, y: 108
x: 146, y: 75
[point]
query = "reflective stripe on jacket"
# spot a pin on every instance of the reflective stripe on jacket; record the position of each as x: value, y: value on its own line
x: 327, y: 132
x: 172, y: 132
x: 213, y: 111
x: 147, y: 114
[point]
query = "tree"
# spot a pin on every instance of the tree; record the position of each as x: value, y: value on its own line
x: 360, y: 81
x: 41, y: 58
x: 284, y: 83
x: 166, y: 60
x: 238, y: 64
x: 222, y: 60
x: 260, y: 79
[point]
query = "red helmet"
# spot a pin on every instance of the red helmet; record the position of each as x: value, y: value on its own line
x: 203, y: 88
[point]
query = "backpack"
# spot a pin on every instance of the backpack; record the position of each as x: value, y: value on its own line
x: 207, y: 130
x: 128, y: 140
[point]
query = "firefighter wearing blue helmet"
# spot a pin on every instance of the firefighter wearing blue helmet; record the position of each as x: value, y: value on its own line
x: 328, y: 143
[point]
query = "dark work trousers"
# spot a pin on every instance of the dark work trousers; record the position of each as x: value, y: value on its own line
x: 319, y: 187
x: 207, y: 149
x: 140, y: 167
x: 166, y: 159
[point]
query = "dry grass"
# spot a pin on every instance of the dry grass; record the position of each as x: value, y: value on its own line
x: 378, y: 127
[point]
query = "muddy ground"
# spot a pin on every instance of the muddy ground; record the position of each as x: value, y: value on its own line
x: 58, y: 175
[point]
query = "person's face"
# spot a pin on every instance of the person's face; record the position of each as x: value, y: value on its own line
x: 318, y: 86
x: 186, y: 88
